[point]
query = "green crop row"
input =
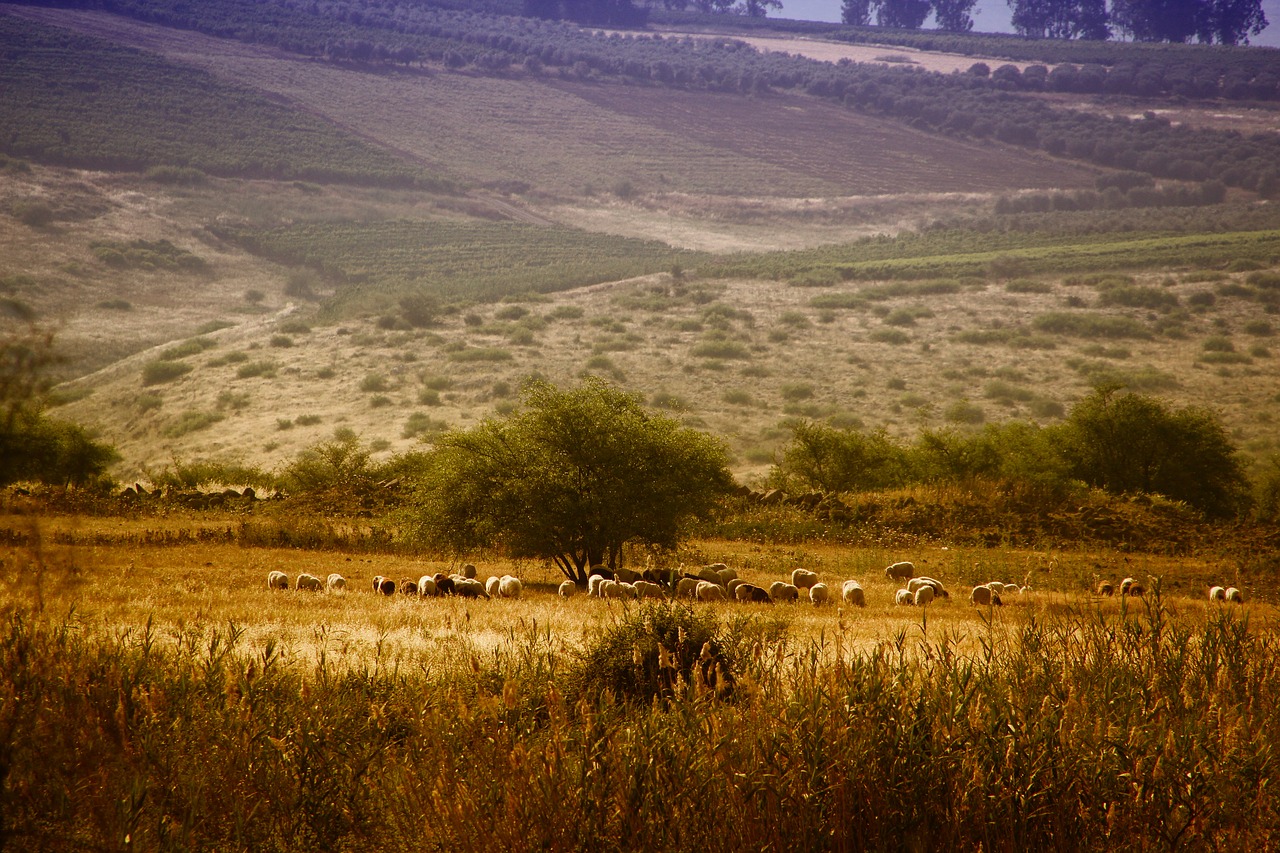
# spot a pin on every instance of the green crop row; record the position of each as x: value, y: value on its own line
x: 458, y: 260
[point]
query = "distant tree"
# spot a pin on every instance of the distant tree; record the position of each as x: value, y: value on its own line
x: 828, y: 459
x: 1232, y: 21
x: 1132, y: 443
x: 1061, y: 19
x: 1208, y: 21
x: 902, y: 14
x: 34, y: 446
x: 856, y: 13
x: 954, y: 15
x: 574, y: 477
x: 759, y: 8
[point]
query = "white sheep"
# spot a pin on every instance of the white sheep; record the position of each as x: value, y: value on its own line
x: 1126, y: 584
x: 648, y: 589
x: 1106, y: 589
x: 710, y: 574
x: 924, y: 595
x: 609, y: 589
x: 901, y: 571
x: 335, y: 583
x: 819, y: 594
x: 627, y: 590
x: 707, y: 591
x: 509, y: 586
x: 626, y: 575
x: 277, y: 580
x: 593, y: 585
x: 308, y: 583
x: 727, y: 576
x: 688, y: 588
x: 982, y: 595
x: 742, y: 591
x: 1234, y: 595
x: 915, y: 583
x: 384, y: 585
x: 491, y: 585
x: 783, y: 591
x: 1217, y: 593
x: 567, y: 589
x: 427, y: 586
x: 1012, y: 589
x: 469, y: 588
x: 803, y: 578
x: 733, y: 584
x: 904, y: 598
x: 852, y: 593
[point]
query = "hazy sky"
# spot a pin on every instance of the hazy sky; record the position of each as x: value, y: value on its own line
x: 992, y: 16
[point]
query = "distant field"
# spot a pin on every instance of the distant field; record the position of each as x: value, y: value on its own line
x: 78, y: 100
x: 563, y: 137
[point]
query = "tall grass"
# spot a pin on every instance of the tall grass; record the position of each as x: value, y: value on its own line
x: 1082, y: 730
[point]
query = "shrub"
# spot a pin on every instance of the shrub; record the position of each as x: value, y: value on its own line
x: 294, y: 327
x: 1259, y: 328
x: 254, y: 369
x: 379, y: 401
x: 191, y: 421
x: 964, y: 412
x: 191, y: 346
x: 653, y: 652
x: 889, y: 336
x: 1090, y: 326
x: 1026, y: 285
x: 307, y: 420
x: 721, y: 350
x: 470, y: 354
x: 156, y: 372
x: 373, y: 383
x: 795, y: 392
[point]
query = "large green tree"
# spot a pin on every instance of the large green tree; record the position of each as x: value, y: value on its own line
x: 573, y: 477
x: 1132, y: 443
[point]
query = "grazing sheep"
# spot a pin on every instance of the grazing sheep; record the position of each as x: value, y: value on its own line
x: 1217, y: 593
x: 688, y: 588
x: 626, y: 576
x: 335, y: 583
x: 648, y: 589
x: 1234, y: 595
x: 628, y: 590
x: 760, y: 596
x: 384, y: 585
x: 1126, y: 584
x: 742, y: 591
x: 983, y: 596
x: 819, y: 594
x: 996, y: 587
x: 783, y: 591
x: 444, y: 585
x: 707, y: 591
x: 727, y: 576
x: 852, y: 593
x: 277, y: 580
x: 469, y: 571
x: 915, y: 583
x: 612, y: 589
x: 593, y: 584
x: 509, y: 586
x: 733, y: 584
x: 427, y: 586
x: 904, y: 598
x: 803, y: 579
x: 491, y: 585
x: 902, y: 571
x: 1136, y: 589
x: 710, y: 574
x: 469, y: 588
x: 567, y: 589
x: 602, y: 572
x: 408, y: 586
x: 308, y: 583
x: 1106, y: 589
x: 1012, y: 589
x: 924, y: 595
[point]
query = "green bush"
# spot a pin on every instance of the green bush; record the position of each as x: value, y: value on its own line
x: 1090, y: 326
x: 156, y: 372
x: 255, y: 369
x: 191, y: 421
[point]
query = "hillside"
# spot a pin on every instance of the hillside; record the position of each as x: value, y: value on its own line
x: 568, y: 224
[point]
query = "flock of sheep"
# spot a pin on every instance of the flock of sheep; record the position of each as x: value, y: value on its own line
x: 716, y: 582
x: 463, y: 584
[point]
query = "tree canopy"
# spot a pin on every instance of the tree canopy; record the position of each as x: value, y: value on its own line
x: 573, y: 477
